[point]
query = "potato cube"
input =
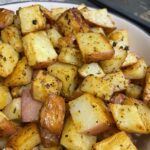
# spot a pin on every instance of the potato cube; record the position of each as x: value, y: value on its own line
x: 127, y: 118
x: 8, y: 59
x: 99, y: 17
x: 73, y: 140
x: 13, y: 109
x: 7, y: 127
x: 114, y: 64
x: 45, y: 84
x: 39, y: 49
x: 118, y: 81
x: 134, y: 90
x: 143, y: 110
x: 21, y: 75
x: 72, y: 22
x: 54, y: 36
x: 5, y: 96
x: 118, y: 141
x: 137, y: 70
x: 26, y: 138
x: 146, y: 91
x: 71, y: 56
x: 6, y: 17
x: 91, y: 69
x: 98, y: 119
x: 31, y: 19
x: 98, y: 87
x: 12, y: 36
x: 67, y: 74
x: 94, y: 47
x: 130, y: 59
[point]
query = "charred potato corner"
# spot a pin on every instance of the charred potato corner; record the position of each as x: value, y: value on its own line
x: 69, y: 81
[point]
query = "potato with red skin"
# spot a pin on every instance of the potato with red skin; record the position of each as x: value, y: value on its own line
x: 6, y: 17
x: 52, y: 114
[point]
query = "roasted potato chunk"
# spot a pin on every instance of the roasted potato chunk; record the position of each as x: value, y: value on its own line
x: 8, y: 59
x: 118, y: 141
x: 45, y: 84
x: 31, y: 19
x: 130, y: 59
x: 137, y: 70
x: 118, y: 81
x: 72, y: 139
x: 26, y: 138
x: 99, y: 117
x: 98, y: 87
x: 13, y: 109
x: 6, y: 17
x: 71, y: 22
x: 7, y: 127
x: 52, y: 114
x: 21, y: 75
x: 91, y: 69
x: 143, y: 110
x: 5, y: 96
x: 48, y: 139
x: 98, y: 30
x: 127, y: 118
x: 134, y: 90
x: 114, y: 64
x: 38, y: 49
x: 98, y: 17
x: 146, y: 92
x: 54, y: 36
x: 12, y: 36
x: 71, y: 56
x: 94, y: 47
x: 67, y: 74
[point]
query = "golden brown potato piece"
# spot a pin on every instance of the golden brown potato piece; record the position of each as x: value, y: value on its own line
x: 71, y: 56
x: 127, y: 118
x: 13, y: 109
x: 114, y: 64
x: 137, y: 70
x: 97, y: 30
x: 21, y: 75
x: 91, y: 69
x: 5, y: 96
x: 12, y: 36
x: 71, y: 22
x: 54, y: 36
x: 48, y: 139
x: 44, y: 84
x: 118, y: 141
x: 98, y: 17
x: 26, y: 138
x: 8, y: 59
x: 6, y: 17
x: 73, y: 140
x: 31, y: 19
x: 67, y: 41
x: 94, y: 47
x: 7, y: 127
x: 67, y: 74
x: 99, y: 119
x: 98, y: 87
x: 134, y: 91
x: 52, y: 114
x: 38, y: 49
x: 146, y: 92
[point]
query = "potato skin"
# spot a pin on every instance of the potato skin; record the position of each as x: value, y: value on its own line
x: 52, y: 114
x: 6, y: 17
